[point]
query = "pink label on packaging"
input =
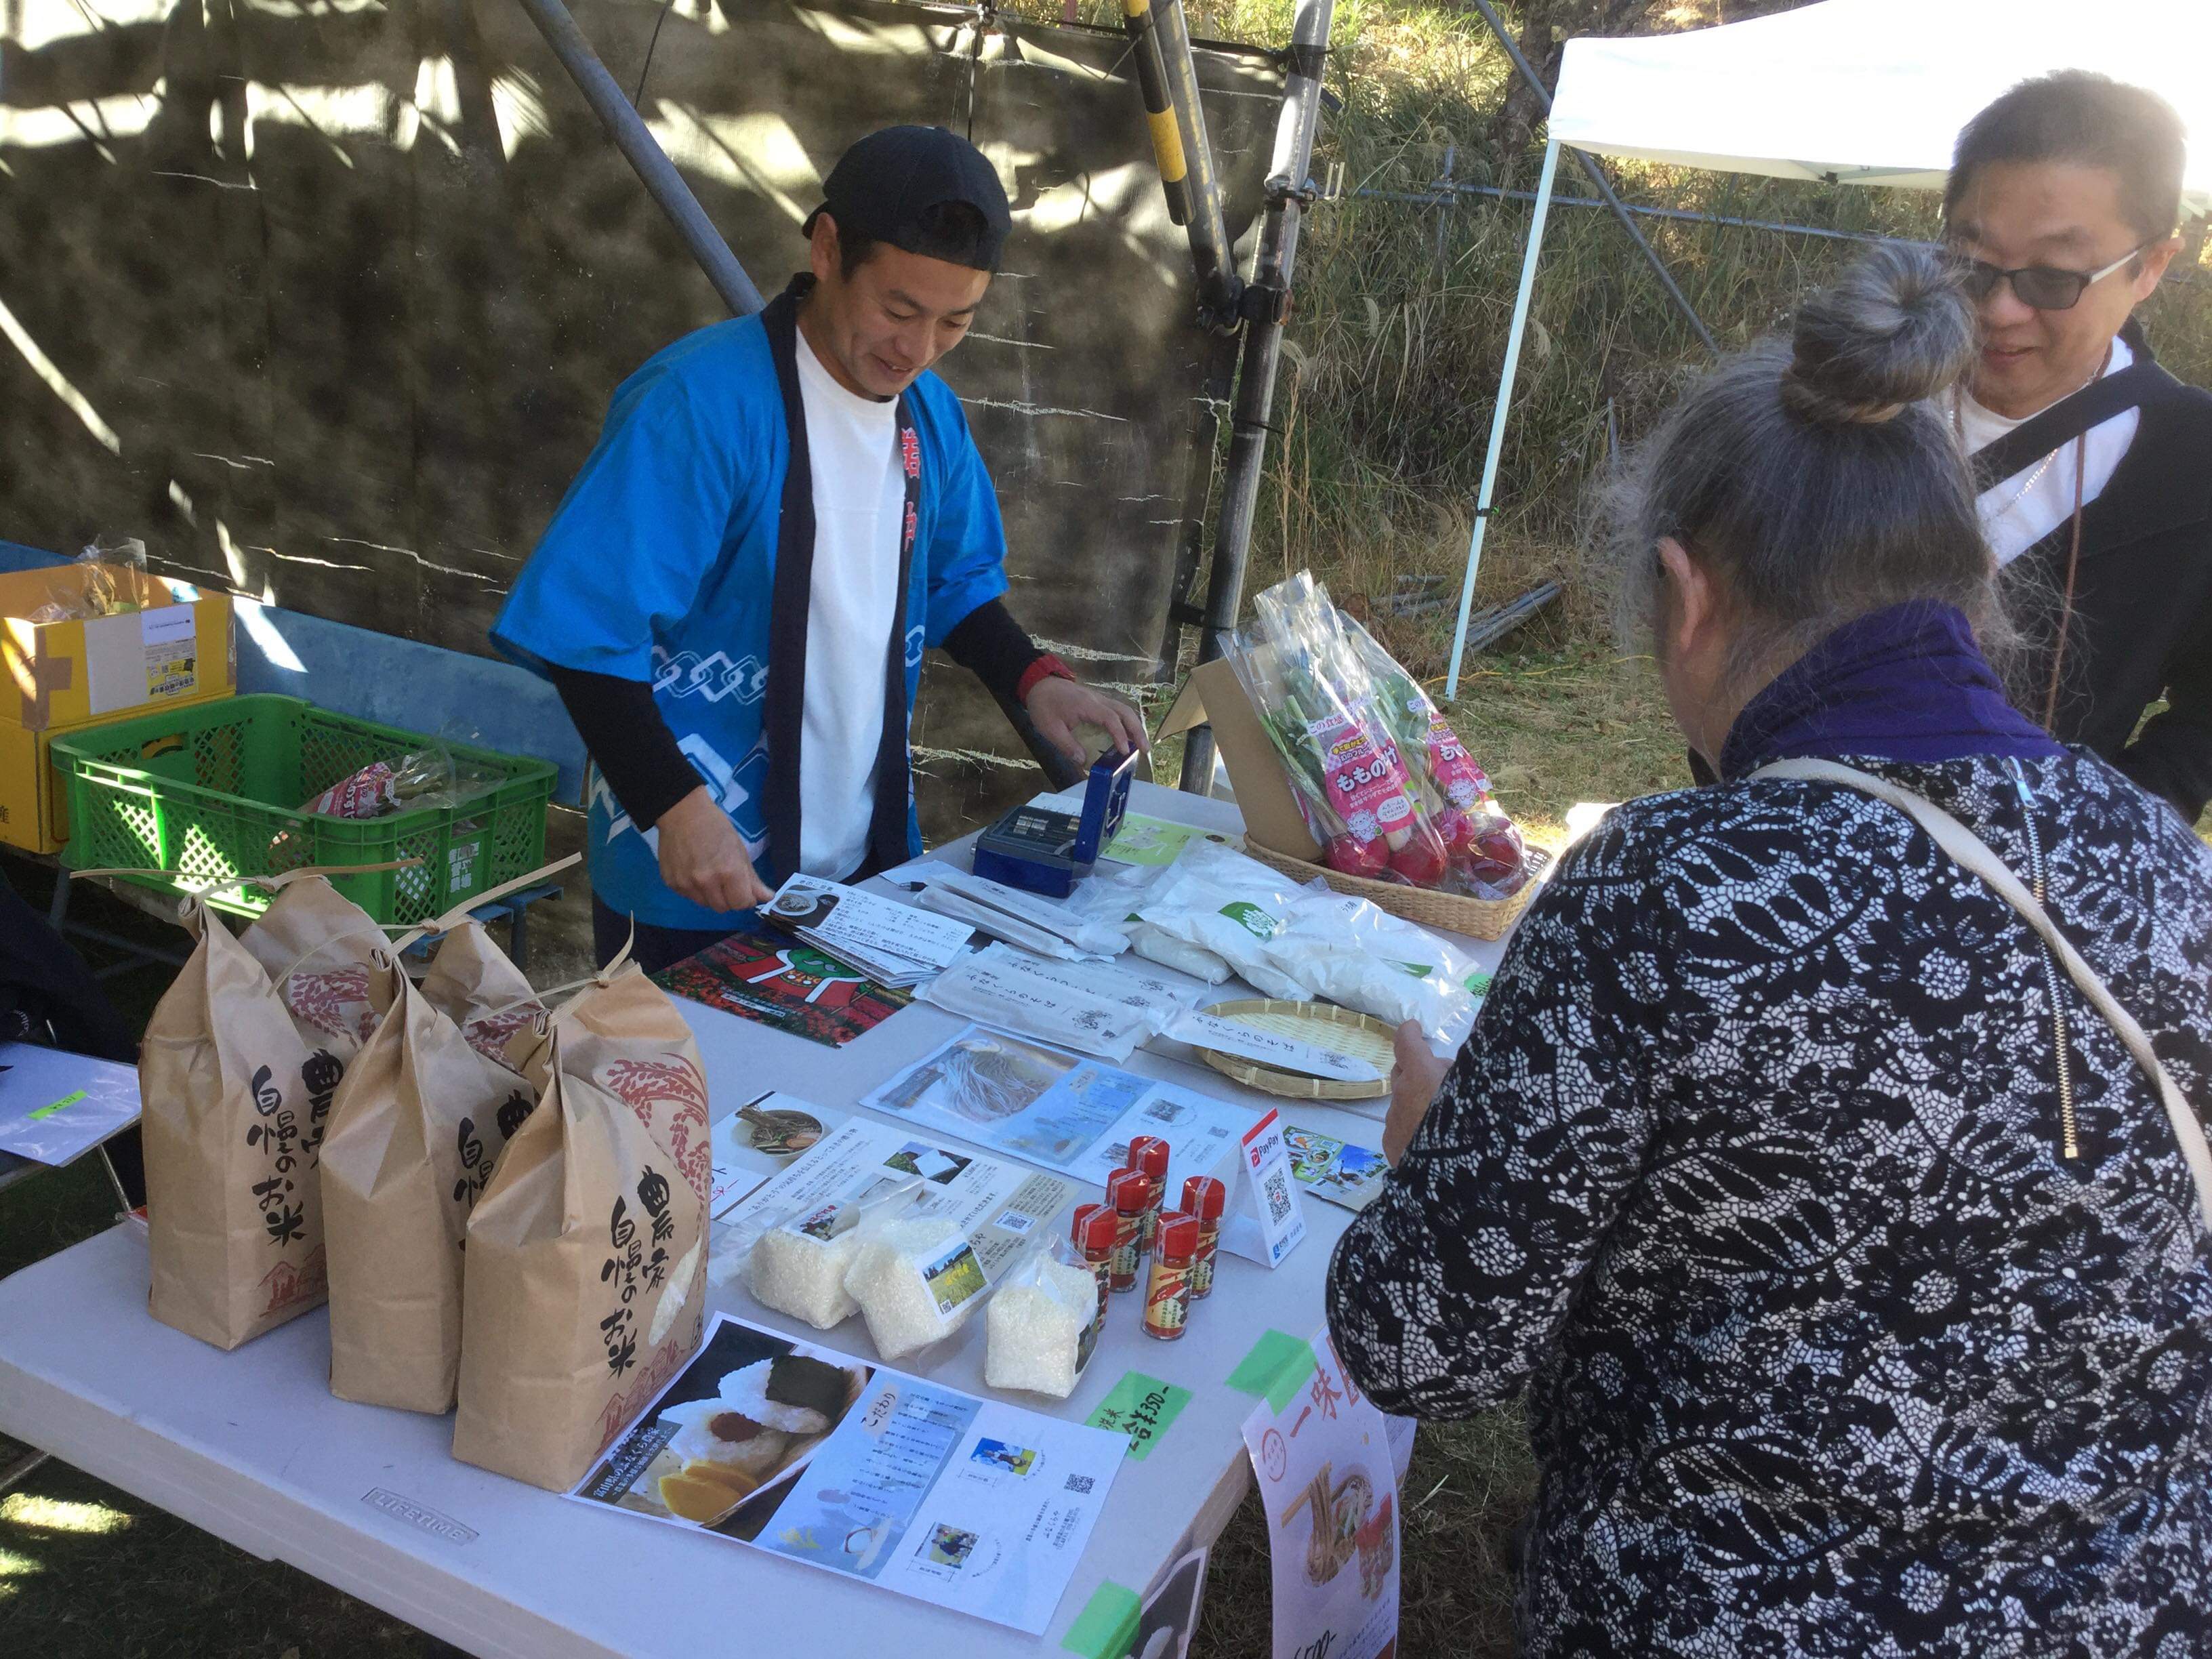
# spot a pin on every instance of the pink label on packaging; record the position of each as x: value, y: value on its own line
x: 1464, y: 783
x: 365, y: 794
x: 1366, y: 781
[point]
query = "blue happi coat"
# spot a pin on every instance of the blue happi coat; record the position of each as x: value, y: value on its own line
x: 660, y: 564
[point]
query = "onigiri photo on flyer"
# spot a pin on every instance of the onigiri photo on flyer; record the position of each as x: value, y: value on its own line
x: 860, y: 1469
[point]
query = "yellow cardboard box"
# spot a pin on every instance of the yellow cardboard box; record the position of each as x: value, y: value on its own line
x: 56, y: 678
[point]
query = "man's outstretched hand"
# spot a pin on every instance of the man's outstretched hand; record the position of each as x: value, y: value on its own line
x: 1059, y: 706
x: 703, y: 857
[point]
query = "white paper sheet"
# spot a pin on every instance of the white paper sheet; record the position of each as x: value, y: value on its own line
x: 964, y: 1503
x: 1059, y: 1111
x: 1329, y: 1480
x: 760, y: 1140
x: 55, y: 1105
x: 1001, y: 1207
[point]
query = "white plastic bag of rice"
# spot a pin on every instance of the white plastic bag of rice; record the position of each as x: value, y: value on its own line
x: 1042, y: 1325
x: 1346, y: 950
x: 1224, y: 902
x: 1114, y: 898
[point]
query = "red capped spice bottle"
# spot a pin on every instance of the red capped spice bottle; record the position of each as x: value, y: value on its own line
x: 1149, y: 1154
x: 1093, y: 1235
x: 1130, y: 1193
x: 1204, y: 1199
x: 1167, y: 1299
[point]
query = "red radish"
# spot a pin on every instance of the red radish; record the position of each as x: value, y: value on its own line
x: 1351, y: 857
x: 1421, y: 861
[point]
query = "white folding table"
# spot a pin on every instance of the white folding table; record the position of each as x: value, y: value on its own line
x: 251, y: 1446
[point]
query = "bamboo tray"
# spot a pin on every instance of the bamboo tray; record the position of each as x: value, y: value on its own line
x: 1478, y: 918
x: 1323, y: 1024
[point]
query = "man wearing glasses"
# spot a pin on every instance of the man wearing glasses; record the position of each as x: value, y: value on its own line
x: 2095, y: 464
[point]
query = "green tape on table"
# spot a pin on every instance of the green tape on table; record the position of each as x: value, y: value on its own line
x: 1107, y: 1626
x: 1275, y: 1368
x: 61, y: 1105
x: 1141, y: 1408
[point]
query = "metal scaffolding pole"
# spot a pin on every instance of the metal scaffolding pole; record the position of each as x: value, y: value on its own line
x: 1267, y: 303
x: 658, y: 174
x: 1162, y: 48
x: 1599, y: 181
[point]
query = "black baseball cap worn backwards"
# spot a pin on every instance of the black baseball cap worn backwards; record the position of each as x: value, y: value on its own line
x: 883, y: 184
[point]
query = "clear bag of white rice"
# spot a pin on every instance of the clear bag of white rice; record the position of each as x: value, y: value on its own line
x: 1042, y: 1324
x: 916, y: 1277
x: 798, y: 1259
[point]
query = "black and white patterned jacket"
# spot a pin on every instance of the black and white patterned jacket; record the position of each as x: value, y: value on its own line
x: 1751, y: 1176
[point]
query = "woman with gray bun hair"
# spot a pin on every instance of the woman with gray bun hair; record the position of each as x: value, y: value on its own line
x: 1826, y: 1165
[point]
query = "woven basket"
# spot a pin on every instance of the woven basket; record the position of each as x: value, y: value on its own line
x: 1322, y: 1024
x: 1477, y: 918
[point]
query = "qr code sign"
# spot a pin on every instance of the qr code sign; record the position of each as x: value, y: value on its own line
x: 1279, y: 1198
x: 1080, y: 1483
x: 1014, y: 1221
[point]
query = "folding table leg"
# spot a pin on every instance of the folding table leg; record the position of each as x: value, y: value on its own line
x: 21, y: 1468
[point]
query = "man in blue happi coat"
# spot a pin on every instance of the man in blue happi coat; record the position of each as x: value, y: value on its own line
x: 781, y: 513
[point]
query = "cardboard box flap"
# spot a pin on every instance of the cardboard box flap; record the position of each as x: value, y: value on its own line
x: 1215, y: 695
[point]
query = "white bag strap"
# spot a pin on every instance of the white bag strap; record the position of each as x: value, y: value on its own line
x: 1974, y: 854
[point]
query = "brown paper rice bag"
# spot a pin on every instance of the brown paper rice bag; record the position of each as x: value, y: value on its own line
x: 415, y: 1131
x: 586, y: 1288
x: 625, y: 1034
x: 331, y: 963
x: 473, y: 984
x: 241, y: 1061
x: 231, y: 1133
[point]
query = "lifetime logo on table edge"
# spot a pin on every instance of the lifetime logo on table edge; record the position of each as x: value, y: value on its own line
x: 407, y: 1509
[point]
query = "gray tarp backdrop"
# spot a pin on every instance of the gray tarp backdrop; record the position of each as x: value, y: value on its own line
x: 324, y: 299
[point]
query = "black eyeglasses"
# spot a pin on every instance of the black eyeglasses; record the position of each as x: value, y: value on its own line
x: 2043, y: 286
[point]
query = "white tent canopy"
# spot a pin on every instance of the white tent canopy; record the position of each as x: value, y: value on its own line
x: 1847, y: 91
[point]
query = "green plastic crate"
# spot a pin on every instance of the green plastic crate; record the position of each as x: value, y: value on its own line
x: 205, y: 791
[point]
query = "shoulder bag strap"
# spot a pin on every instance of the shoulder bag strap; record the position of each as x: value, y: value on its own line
x: 1973, y: 852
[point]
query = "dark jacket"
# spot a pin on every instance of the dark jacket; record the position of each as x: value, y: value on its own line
x: 1752, y: 1177
x: 2143, y: 604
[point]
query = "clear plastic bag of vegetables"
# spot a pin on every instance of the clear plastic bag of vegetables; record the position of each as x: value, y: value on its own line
x: 1318, y: 702
x: 1487, y: 855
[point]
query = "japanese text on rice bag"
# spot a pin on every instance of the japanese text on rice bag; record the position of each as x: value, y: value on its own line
x: 586, y: 1285
x: 416, y: 1130
x: 241, y: 1063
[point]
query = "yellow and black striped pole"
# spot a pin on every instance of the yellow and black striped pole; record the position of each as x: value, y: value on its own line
x: 1159, y: 112
x: 1168, y: 75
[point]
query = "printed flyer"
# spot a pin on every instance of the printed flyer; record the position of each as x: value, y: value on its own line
x: 780, y: 982
x: 760, y: 1140
x: 1328, y: 1480
x: 1335, y: 1170
x: 856, y: 1468
x: 1000, y: 1206
x: 1068, y: 1114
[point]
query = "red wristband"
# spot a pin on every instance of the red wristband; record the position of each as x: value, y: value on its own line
x: 1046, y: 667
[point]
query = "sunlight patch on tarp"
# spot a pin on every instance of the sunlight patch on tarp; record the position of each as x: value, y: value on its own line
x: 57, y: 382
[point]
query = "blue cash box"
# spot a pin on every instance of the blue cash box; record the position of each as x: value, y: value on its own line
x: 1040, y: 850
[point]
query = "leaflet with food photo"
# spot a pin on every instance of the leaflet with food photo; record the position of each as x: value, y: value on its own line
x: 1059, y: 1110
x: 1000, y: 1207
x: 856, y: 1468
x: 760, y: 1140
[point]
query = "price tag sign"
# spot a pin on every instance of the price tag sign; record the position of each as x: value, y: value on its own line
x: 1267, y: 1221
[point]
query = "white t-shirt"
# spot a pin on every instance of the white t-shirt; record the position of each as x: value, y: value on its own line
x: 2020, y: 511
x: 859, y: 507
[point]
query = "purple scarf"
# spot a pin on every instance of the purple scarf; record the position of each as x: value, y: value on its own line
x: 1907, y: 684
